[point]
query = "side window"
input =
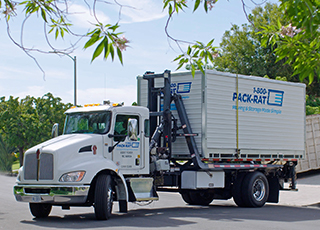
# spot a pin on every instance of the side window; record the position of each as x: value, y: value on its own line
x: 146, y: 128
x: 121, y: 126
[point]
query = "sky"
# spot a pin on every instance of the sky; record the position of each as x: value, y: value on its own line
x: 149, y: 49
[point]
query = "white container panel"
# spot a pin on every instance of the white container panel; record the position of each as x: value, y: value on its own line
x: 190, y: 90
x: 221, y: 121
x: 271, y: 115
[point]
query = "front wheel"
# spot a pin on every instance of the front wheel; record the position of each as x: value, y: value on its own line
x: 103, y: 197
x: 40, y: 210
x: 200, y: 197
x: 186, y: 198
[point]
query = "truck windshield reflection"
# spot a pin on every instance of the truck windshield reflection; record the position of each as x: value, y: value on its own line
x: 93, y: 122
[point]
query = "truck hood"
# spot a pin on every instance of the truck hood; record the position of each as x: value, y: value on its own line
x: 74, y: 141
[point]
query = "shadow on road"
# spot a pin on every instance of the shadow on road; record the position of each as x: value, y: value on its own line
x: 180, y: 216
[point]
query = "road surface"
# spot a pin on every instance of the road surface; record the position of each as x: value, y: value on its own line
x: 296, y: 210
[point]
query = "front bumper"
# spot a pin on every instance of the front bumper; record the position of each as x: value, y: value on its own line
x: 53, y: 194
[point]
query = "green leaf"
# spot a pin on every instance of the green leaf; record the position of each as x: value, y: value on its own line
x: 196, y: 5
x: 205, y: 6
x: 106, y: 48
x: 119, y: 55
x: 189, y: 50
x: 94, y: 38
x: 195, y: 55
x: 210, y: 43
x: 166, y: 4
x: 43, y: 14
x: 98, y: 51
x: 57, y: 33
x: 111, y: 51
x: 311, y: 77
x: 177, y: 58
x: 62, y: 32
x: 179, y: 66
x: 193, y: 70
x: 170, y: 9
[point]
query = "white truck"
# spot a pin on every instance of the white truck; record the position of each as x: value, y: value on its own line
x: 214, y: 136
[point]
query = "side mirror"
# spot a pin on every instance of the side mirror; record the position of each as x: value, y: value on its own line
x: 133, y: 129
x: 55, y: 130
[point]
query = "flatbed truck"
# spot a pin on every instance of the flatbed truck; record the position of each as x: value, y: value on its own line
x: 235, y: 137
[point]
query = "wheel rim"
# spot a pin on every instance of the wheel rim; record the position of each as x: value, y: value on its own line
x: 109, y: 200
x: 259, y: 190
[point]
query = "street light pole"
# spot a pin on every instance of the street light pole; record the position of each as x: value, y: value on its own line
x: 75, y: 79
x: 74, y: 59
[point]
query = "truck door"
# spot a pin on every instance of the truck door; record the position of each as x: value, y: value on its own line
x: 128, y: 153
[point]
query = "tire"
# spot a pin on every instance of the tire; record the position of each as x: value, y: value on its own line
x: 40, y: 210
x: 237, y: 190
x: 255, y: 189
x: 203, y: 197
x: 103, y: 197
x: 186, y: 197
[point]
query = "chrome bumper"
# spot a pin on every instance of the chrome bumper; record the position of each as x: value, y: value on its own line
x: 52, y: 194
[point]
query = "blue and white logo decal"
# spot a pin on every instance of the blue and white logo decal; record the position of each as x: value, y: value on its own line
x: 132, y: 144
x: 259, y: 96
x: 275, y: 97
x: 182, y: 87
x: 179, y: 88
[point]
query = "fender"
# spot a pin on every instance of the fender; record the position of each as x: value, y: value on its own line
x: 93, y: 168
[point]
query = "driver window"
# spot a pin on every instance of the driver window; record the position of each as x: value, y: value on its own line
x: 121, y: 126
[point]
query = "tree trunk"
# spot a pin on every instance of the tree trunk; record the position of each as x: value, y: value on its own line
x: 21, y: 156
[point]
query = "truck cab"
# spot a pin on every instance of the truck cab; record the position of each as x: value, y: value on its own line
x: 98, y: 141
x: 121, y: 132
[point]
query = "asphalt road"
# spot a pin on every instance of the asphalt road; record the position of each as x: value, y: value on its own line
x: 296, y: 210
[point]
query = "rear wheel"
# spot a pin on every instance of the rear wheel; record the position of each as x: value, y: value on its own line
x: 255, y: 189
x: 103, y: 197
x: 40, y: 210
x: 237, y: 190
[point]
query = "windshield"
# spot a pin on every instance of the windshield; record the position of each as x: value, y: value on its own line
x: 93, y: 122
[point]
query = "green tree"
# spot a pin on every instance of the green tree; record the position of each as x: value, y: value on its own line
x: 50, y: 110
x: 298, y: 39
x: 29, y: 121
x: 241, y: 50
x: 6, y: 157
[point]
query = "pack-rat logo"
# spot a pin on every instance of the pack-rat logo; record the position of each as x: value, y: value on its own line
x: 261, y: 96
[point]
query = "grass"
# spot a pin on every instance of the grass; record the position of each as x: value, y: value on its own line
x: 16, y: 165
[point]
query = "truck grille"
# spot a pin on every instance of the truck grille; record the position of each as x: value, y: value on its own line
x: 45, y: 168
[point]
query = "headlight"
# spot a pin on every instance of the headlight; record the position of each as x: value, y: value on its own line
x: 72, y: 176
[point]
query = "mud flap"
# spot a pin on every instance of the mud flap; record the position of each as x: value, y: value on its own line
x: 274, y: 188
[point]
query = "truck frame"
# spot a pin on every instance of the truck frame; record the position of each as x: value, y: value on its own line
x: 96, y: 167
